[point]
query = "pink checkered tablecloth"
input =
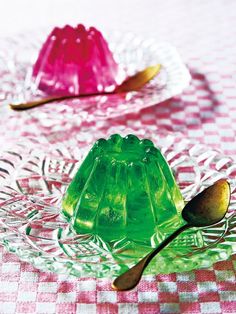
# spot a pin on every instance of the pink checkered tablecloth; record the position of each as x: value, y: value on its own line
x: 204, y: 33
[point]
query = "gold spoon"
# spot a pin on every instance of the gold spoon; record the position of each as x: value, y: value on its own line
x: 132, y: 83
x: 207, y: 208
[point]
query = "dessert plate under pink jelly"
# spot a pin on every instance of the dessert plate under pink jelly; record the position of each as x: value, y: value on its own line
x: 132, y: 53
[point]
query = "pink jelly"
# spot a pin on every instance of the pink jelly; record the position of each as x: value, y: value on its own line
x: 75, y: 61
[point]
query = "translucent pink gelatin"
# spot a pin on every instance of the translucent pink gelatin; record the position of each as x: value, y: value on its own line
x: 75, y: 61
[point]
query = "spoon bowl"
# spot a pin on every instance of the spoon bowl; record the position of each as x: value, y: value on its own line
x: 209, y: 206
x: 205, y: 209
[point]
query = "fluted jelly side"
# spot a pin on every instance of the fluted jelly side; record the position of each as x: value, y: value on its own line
x: 124, y: 189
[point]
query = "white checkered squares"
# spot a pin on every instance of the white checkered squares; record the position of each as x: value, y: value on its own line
x: 227, y: 296
x: 148, y: 296
x: 210, y: 308
x: 7, y: 307
x: 225, y: 275
x: 190, y: 109
x: 147, y: 116
x: 188, y: 296
x: 192, y: 121
x: 106, y: 296
x: 28, y: 276
x: 206, y: 114
x: 228, y: 146
x: 188, y: 276
x: 47, y: 287
x: 169, y: 308
x: 223, y: 120
x: 207, y: 286
x: 213, y: 77
x: 212, y: 139
x: 226, y: 132
x: 167, y: 286
x: 209, y: 127
x: 189, y: 98
x: 128, y: 308
x: 229, y: 92
x: 216, y: 87
x: 45, y: 307
x: 86, y: 285
x: 66, y: 297
x: 86, y: 308
x: 6, y: 287
x: 178, y: 115
x: 202, y: 93
x: 27, y: 296
x: 150, y: 278
x: 204, y: 104
x: 11, y: 267
x: 196, y: 133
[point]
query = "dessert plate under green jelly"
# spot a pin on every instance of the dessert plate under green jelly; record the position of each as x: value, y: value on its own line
x: 33, y: 180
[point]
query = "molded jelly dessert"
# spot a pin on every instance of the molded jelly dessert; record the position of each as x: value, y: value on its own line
x: 75, y: 61
x: 124, y: 189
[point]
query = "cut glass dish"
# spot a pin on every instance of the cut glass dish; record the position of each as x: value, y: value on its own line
x: 34, y: 179
x: 133, y: 53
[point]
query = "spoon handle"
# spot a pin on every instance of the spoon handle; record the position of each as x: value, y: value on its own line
x: 132, y: 83
x: 132, y: 276
x: 40, y: 102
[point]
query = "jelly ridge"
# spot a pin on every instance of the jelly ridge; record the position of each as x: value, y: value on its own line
x: 75, y: 60
x: 124, y: 189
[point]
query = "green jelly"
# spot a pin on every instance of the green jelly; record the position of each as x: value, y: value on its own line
x: 124, y: 189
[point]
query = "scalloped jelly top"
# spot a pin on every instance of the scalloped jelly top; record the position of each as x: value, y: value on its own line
x: 75, y: 60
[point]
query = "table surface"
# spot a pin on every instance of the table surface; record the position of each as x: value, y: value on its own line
x: 204, y: 33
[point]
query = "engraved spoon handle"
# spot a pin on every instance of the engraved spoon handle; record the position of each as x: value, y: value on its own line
x: 40, y: 102
x: 132, y: 276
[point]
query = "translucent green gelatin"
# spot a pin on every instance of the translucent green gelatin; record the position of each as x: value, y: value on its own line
x: 124, y: 189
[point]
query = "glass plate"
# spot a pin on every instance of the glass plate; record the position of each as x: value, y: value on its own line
x: 132, y: 52
x: 34, y: 178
